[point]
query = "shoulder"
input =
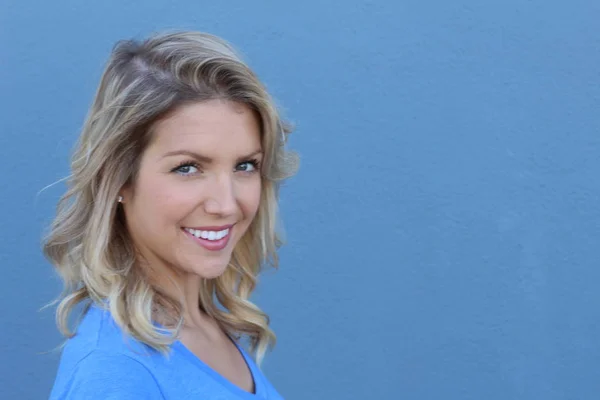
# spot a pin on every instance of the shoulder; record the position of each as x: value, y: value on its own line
x: 99, y: 333
x: 106, y: 375
x: 99, y: 362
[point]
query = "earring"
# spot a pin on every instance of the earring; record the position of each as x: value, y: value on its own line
x: 120, y: 199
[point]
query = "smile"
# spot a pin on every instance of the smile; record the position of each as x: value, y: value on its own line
x: 208, y: 235
x: 211, y: 239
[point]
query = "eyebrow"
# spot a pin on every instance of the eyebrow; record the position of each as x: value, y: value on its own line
x: 205, y: 159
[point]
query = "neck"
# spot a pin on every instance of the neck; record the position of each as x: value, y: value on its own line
x: 185, y: 288
x: 193, y: 316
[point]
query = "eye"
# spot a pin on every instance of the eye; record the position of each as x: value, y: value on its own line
x: 186, y: 168
x: 247, y: 166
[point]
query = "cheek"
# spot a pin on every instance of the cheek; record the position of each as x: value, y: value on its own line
x: 159, y: 201
x: 251, y: 199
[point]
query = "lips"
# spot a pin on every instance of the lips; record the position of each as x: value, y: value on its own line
x: 208, y: 234
x: 213, y: 239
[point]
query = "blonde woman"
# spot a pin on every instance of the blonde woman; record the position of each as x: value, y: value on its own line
x: 169, y: 217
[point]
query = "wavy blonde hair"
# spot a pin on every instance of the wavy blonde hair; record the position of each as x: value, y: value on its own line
x: 88, y: 242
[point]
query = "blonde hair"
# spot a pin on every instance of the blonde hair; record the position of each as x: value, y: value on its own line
x: 88, y: 242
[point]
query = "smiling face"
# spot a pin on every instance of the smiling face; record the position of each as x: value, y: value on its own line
x: 197, y: 189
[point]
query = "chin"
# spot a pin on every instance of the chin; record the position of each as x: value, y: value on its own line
x: 210, y: 270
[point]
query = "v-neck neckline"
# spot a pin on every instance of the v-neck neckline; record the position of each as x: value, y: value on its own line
x: 259, y: 388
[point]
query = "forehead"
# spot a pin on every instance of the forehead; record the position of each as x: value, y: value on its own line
x: 214, y: 125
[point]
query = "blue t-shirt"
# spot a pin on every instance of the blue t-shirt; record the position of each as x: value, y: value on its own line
x: 99, y: 363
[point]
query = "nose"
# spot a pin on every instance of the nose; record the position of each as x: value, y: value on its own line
x: 221, y: 198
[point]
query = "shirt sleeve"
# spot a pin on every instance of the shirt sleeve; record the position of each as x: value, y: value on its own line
x: 111, y: 377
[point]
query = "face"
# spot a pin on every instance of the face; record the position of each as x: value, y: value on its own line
x: 198, y: 188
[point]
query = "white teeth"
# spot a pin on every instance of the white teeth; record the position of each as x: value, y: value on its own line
x: 208, y: 235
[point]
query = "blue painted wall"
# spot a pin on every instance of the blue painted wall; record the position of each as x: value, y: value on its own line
x: 444, y: 229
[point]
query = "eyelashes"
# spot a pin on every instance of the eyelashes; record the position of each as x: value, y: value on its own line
x: 253, y: 162
x: 191, y: 167
x: 185, y: 167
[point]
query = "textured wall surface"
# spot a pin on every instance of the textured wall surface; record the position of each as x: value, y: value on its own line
x: 444, y: 229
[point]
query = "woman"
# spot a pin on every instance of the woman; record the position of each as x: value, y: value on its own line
x: 169, y: 216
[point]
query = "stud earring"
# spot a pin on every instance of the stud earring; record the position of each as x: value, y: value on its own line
x: 120, y: 199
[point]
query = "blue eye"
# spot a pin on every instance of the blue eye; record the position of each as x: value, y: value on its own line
x: 248, y: 166
x: 186, y: 169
